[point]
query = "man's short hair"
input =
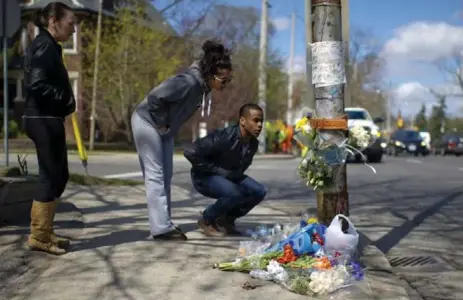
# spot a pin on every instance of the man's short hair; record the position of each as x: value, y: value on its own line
x: 246, y: 108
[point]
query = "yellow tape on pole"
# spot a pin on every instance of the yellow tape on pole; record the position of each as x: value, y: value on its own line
x: 80, y: 145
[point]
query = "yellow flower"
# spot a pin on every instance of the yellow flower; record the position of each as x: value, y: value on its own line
x: 312, y: 220
x: 305, y: 149
x: 301, y: 122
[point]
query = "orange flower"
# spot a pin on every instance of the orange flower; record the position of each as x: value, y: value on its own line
x: 322, y: 263
x: 288, y: 255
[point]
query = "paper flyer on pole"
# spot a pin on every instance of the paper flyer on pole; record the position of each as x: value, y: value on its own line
x: 328, y: 63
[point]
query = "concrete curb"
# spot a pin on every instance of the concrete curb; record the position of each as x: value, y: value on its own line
x: 16, y: 194
x: 378, y: 272
x: 273, y: 156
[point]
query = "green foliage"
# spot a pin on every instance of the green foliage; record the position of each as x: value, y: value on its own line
x: 134, y: 58
x: 13, y: 129
x: 13, y: 50
x: 437, y: 121
x: 277, y: 88
x: 421, y: 120
x: 455, y: 124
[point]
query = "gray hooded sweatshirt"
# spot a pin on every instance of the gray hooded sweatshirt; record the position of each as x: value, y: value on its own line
x: 175, y: 100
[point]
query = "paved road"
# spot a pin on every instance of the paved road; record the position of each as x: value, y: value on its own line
x: 415, y: 204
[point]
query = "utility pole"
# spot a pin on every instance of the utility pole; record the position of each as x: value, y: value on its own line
x: 345, y: 24
x: 308, y: 52
x: 327, y: 49
x: 387, y: 107
x: 388, y: 114
x: 289, y: 112
x: 95, y: 78
x: 5, y: 82
x: 263, y: 70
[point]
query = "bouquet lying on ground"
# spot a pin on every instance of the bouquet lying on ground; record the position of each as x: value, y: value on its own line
x: 295, y: 262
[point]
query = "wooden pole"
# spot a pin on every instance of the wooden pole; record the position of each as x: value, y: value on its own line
x: 329, y: 104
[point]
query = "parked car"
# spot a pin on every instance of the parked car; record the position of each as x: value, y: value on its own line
x: 451, y: 143
x: 360, y: 116
x: 407, y: 141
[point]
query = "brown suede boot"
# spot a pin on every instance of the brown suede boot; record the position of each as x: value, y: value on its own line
x: 60, y: 241
x: 40, y: 237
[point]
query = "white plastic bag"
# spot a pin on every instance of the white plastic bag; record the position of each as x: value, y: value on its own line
x: 338, y: 241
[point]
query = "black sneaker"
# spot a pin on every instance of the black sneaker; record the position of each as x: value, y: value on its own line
x: 228, y: 224
x: 175, y: 234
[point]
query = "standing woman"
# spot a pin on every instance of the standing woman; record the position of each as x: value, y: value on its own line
x: 157, y: 120
x: 49, y: 99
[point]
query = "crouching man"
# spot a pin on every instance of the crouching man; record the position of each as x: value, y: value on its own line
x: 219, y: 161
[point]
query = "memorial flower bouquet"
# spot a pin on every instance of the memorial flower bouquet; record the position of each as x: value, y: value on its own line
x: 313, y: 168
x: 315, y: 172
x: 293, y: 262
x: 359, y: 137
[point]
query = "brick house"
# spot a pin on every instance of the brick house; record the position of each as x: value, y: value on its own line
x: 84, y: 10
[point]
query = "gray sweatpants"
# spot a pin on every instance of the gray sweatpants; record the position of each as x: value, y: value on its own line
x: 156, y: 161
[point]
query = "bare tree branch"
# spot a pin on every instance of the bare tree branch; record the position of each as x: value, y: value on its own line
x: 170, y: 6
x: 452, y: 68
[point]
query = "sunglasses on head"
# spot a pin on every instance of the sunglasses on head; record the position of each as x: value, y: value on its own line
x: 223, y: 80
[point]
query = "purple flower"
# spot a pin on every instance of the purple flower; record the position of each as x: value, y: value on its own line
x: 358, y: 275
x: 357, y: 271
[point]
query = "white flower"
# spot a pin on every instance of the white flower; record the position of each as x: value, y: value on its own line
x: 306, y: 128
x: 324, y: 282
x: 277, y: 272
x: 360, y: 136
x: 304, y: 163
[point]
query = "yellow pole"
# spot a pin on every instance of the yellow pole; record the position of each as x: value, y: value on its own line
x: 80, y: 145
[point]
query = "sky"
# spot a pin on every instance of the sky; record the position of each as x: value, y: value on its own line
x: 410, y: 35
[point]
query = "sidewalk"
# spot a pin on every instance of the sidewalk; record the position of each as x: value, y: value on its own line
x: 113, y: 256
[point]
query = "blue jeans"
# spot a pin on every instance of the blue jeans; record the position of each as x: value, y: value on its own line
x: 234, y: 200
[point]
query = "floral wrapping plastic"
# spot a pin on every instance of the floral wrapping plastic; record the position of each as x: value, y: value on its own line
x: 329, y: 283
x: 323, y: 156
x: 321, y: 163
x: 326, y: 274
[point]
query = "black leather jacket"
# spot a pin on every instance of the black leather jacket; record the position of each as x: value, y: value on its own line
x: 223, y: 153
x: 47, y: 88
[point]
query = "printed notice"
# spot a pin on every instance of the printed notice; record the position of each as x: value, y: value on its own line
x: 328, y: 67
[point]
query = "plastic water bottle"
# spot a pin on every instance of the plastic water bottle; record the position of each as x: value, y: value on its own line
x: 260, y: 274
x: 276, y: 230
x: 252, y: 234
x: 305, y: 217
x: 263, y: 231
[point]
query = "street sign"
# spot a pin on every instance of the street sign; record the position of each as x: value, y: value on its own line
x: 12, y: 18
x: 10, y: 22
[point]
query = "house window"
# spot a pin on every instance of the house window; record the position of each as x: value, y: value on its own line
x: 70, y: 46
